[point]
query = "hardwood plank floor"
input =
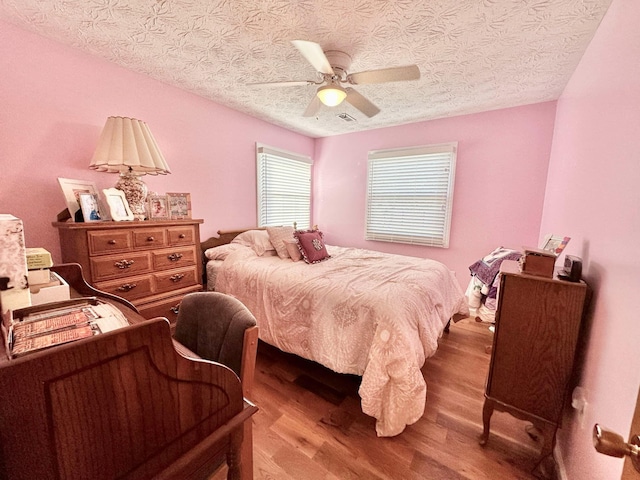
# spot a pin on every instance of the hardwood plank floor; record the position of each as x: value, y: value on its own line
x: 310, y: 424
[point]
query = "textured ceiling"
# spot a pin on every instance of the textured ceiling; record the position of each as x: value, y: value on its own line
x: 473, y: 55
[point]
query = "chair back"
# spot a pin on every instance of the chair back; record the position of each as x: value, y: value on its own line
x: 213, y: 325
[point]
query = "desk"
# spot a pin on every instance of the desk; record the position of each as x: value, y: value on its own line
x: 122, y: 404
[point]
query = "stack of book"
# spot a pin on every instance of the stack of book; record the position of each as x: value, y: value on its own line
x: 38, y: 263
x: 44, y: 285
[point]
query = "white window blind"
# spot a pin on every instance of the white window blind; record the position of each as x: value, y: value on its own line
x: 284, y: 188
x: 410, y: 195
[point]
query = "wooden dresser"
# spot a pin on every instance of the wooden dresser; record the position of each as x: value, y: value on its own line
x: 153, y: 264
x: 537, y: 325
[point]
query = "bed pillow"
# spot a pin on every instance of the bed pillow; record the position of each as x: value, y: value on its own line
x: 293, y: 250
x: 278, y: 235
x: 311, y: 245
x: 258, y: 240
x: 221, y: 251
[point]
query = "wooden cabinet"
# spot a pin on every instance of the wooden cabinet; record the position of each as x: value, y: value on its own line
x: 537, y: 324
x: 152, y: 264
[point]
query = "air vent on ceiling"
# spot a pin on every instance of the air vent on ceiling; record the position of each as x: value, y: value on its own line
x: 346, y: 117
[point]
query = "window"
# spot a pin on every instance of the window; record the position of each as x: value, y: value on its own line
x: 284, y: 188
x: 410, y: 195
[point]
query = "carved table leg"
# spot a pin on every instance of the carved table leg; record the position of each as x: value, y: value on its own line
x: 487, y: 412
x: 547, y: 465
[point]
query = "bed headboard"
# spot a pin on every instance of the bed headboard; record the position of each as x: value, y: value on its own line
x: 224, y: 237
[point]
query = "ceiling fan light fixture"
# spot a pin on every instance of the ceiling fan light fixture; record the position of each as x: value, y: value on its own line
x: 331, y: 95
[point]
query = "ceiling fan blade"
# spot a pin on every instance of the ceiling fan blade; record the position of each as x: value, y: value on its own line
x: 282, y: 84
x: 314, y: 55
x: 313, y: 107
x: 361, y: 103
x: 393, y: 74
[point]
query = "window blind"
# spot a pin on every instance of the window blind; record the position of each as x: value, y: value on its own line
x: 410, y: 195
x: 284, y: 188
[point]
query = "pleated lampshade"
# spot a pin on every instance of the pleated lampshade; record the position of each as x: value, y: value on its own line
x: 126, y: 146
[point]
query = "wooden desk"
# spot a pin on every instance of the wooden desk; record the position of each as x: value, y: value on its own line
x: 122, y: 404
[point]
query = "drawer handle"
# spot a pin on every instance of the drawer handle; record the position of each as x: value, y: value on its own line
x: 177, y: 277
x: 175, y: 309
x: 122, y: 264
x: 111, y: 242
x: 174, y: 257
x: 151, y: 239
x: 126, y: 287
x: 182, y: 235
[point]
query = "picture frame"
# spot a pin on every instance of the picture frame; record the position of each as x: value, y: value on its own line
x: 71, y: 189
x: 118, y: 205
x: 90, y: 206
x: 158, y: 207
x: 554, y: 243
x: 179, y: 205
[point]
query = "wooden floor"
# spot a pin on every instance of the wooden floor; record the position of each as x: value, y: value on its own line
x: 310, y: 425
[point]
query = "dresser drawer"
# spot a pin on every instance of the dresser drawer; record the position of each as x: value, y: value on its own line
x: 109, y: 241
x: 114, y: 266
x: 129, y: 288
x: 150, y: 238
x: 175, y: 279
x: 183, y: 235
x: 167, y: 308
x: 173, y: 258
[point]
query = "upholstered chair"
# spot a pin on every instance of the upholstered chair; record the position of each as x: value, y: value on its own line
x: 220, y: 328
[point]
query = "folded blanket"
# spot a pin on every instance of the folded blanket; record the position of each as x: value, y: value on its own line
x: 488, y: 267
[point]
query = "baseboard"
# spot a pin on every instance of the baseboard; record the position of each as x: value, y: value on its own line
x: 561, y: 471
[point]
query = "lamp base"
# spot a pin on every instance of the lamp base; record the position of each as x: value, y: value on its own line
x: 135, y: 191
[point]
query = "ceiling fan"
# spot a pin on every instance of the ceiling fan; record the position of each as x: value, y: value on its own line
x: 333, y: 67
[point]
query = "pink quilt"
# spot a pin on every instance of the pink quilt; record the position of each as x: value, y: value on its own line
x: 360, y: 312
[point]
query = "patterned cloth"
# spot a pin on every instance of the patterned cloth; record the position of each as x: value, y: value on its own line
x: 360, y: 312
x: 488, y: 267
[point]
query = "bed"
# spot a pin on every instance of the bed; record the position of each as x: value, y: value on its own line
x: 355, y: 311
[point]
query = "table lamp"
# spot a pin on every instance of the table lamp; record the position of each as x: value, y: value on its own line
x: 126, y: 146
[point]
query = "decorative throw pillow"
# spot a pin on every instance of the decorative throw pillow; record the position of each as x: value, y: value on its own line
x: 293, y: 250
x: 221, y: 252
x: 278, y: 235
x: 311, y: 245
x: 258, y: 240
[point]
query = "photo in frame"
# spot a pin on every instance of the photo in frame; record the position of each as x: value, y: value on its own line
x: 179, y: 205
x: 71, y: 189
x: 158, y: 206
x: 554, y: 243
x: 118, y: 205
x: 90, y: 206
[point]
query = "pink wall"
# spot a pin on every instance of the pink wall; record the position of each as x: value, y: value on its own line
x: 54, y: 101
x: 593, y: 195
x: 501, y: 171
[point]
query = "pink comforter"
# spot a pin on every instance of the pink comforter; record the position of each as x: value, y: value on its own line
x: 360, y: 312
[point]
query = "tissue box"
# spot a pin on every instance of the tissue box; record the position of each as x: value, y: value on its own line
x: 53, y: 291
x: 14, y: 287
